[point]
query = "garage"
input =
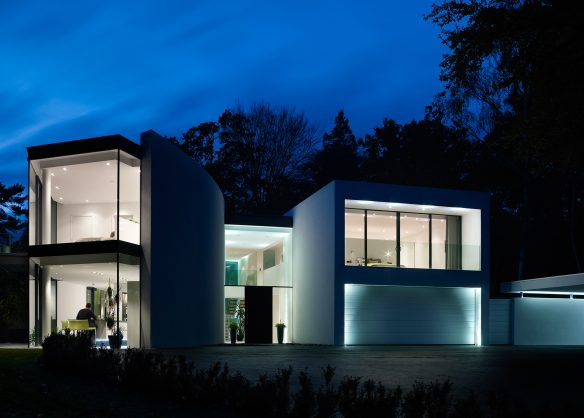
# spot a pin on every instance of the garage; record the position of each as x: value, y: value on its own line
x: 411, y: 315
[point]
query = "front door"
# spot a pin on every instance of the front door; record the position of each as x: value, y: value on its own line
x: 258, y: 316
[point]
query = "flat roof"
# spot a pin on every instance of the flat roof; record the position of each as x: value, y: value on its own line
x: 571, y: 283
x: 259, y: 220
x: 84, y: 146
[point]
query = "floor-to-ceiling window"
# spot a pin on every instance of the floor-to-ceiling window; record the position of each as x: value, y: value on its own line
x: 258, y: 257
x: 414, y: 240
x: 396, y: 235
x: 82, y: 199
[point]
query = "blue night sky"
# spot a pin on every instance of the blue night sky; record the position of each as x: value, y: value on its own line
x: 74, y: 70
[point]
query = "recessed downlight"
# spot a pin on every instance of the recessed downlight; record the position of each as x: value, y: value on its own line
x: 64, y: 168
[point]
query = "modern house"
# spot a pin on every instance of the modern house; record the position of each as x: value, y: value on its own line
x: 355, y: 263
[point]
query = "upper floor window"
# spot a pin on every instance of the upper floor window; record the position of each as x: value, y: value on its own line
x: 85, y: 197
x: 409, y: 239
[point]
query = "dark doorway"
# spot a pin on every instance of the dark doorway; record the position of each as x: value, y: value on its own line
x: 258, y: 317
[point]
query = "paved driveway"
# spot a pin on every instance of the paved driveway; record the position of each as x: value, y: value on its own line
x: 534, y: 375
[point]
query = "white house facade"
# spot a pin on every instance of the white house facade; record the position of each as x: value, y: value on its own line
x: 355, y: 263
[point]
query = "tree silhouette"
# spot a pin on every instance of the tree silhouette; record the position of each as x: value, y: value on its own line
x: 12, y: 211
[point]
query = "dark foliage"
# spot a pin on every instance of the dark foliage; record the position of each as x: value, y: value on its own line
x: 217, y: 389
x: 12, y: 215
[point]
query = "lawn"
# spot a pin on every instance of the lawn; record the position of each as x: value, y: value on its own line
x: 27, y: 389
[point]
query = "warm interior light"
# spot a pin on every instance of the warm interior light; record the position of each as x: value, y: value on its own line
x: 57, y: 187
x: 64, y: 168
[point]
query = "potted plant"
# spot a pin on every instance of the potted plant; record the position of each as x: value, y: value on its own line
x: 280, y: 328
x: 111, y: 302
x: 233, y: 327
x: 240, y: 315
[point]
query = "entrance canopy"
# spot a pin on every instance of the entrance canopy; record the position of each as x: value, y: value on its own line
x: 554, y: 285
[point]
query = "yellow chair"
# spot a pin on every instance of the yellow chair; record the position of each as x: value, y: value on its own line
x: 80, y: 325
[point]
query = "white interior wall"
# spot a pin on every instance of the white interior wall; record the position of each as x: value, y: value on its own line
x: 71, y: 298
x: 103, y: 220
x: 471, y: 240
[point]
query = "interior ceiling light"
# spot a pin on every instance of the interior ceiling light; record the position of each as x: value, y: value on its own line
x: 64, y: 168
x: 86, y: 201
x: 60, y: 198
x: 57, y: 187
x: 107, y: 164
x: 53, y: 174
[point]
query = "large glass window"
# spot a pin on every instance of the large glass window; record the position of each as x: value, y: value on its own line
x: 381, y: 239
x: 257, y: 256
x: 414, y: 240
x: 129, y: 219
x: 354, y: 237
x: 78, y: 201
x: 76, y: 198
x: 438, y: 242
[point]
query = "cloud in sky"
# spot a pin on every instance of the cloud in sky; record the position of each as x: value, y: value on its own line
x: 80, y: 69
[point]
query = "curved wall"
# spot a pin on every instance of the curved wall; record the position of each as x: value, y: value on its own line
x: 182, y: 238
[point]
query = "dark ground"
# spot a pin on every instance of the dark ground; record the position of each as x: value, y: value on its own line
x: 530, y: 375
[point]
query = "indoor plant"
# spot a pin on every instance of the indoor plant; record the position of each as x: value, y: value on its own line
x: 240, y: 315
x: 280, y: 328
x: 111, y: 303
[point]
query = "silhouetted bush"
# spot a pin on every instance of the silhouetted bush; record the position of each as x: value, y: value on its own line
x: 67, y: 353
x: 304, y: 403
x: 216, y: 389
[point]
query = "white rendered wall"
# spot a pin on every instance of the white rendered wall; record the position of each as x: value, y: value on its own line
x: 133, y: 314
x: 541, y: 321
x: 314, y: 269
x: 183, y: 242
x: 500, y: 321
x: 71, y: 298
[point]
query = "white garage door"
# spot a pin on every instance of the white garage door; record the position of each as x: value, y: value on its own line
x: 410, y: 315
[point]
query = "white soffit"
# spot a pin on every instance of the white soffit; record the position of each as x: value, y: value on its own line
x: 407, y: 207
x: 571, y: 283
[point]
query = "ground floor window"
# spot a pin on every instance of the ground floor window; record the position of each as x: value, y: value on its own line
x: 109, y: 290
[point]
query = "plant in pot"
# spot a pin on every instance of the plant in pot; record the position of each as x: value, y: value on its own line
x: 240, y: 315
x: 233, y: 327
x: 280, y: 328
x: 111, y: 303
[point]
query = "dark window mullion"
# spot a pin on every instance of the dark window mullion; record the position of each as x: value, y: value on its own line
x: 365, y: 236
x: 398, y: 239
x: 430, y: 240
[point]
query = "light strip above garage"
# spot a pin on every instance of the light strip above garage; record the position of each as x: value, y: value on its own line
x: 407, y: 207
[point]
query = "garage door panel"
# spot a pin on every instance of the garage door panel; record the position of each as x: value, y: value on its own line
x: 409, y: 315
